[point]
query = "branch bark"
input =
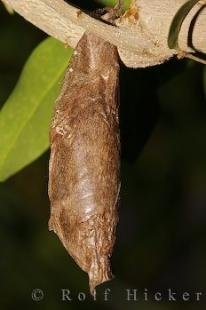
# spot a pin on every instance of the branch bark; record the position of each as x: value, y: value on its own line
x: 141, y: 39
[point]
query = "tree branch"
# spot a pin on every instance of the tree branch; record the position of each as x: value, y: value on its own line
x: 140, y: 36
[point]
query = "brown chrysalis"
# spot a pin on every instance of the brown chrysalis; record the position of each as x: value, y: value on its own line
x: 84, y: 178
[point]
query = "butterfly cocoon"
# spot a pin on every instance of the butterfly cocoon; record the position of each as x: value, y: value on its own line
x: 84, y: 178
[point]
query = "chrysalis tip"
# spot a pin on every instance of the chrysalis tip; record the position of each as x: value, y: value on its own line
x: 99, y: 274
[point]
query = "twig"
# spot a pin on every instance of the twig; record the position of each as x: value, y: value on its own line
x: 141, y: 42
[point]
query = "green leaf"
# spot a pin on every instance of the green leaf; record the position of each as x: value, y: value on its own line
x: 177, y: 23
x: 113, y: 2
x: 25, y: 117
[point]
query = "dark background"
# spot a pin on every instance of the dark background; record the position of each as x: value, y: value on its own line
x: 161, y: 234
